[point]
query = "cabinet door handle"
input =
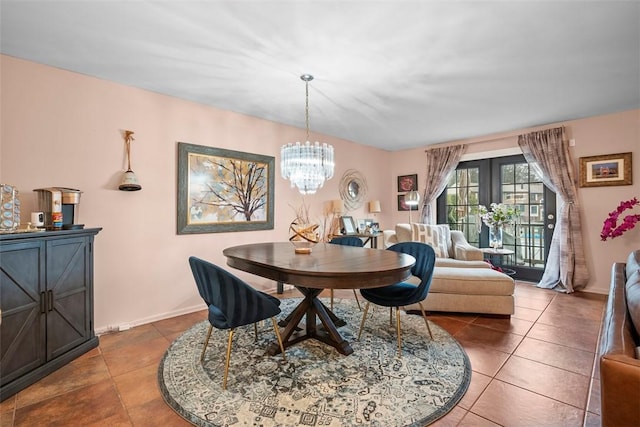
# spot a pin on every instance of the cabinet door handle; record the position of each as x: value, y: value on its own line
x: 43, y: 307
x: 50, y: 301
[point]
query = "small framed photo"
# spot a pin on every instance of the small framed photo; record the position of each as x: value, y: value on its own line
x: 361, y: 225
x: 407, y: 183
x: 348, y: 225
x: 402, y: 206
x: 608, y: 169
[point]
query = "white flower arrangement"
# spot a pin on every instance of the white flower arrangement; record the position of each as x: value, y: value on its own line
x: 498, y: 214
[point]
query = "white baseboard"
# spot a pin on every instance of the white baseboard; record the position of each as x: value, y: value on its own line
x: 161, y: 316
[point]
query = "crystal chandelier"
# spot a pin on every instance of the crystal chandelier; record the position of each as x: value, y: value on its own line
x: 306, y: 165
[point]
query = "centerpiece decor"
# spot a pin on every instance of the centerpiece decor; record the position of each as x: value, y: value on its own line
x: 303, y: 233
x: 611, y: 229
x: 495, y: 218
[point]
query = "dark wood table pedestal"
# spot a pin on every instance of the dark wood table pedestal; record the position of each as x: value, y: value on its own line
x: 312, y: 308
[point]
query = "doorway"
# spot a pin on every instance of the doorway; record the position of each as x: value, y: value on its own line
x: 509, y: 180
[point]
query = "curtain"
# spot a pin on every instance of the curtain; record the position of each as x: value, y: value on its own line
x: 566, y: 267
x: 440, y: 163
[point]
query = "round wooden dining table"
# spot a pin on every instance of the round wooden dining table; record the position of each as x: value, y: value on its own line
x: 327, y: 267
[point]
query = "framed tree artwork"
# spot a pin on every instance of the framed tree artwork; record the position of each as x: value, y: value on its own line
x: 223, y: 190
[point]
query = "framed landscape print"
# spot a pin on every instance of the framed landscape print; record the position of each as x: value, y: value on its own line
x: 407, y: 183
x: 609, y: 169
x: 223, y: 190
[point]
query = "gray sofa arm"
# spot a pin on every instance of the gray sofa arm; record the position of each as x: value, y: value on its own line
x: 462, y: 250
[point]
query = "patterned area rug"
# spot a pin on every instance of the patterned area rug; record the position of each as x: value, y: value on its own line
x: 317, y: 386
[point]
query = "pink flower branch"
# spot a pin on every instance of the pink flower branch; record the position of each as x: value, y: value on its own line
x: 611, y: 229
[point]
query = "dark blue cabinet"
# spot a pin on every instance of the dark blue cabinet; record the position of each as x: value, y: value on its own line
x: 46, y: 298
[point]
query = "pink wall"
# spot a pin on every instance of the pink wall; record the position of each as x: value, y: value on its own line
x: 607, y: 134
x: 64, y: 129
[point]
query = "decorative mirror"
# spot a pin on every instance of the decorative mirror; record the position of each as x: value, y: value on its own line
x: 353, y: 189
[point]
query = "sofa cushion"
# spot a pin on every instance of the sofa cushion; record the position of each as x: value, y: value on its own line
x: 468, y: 281
x: 459, y: 263
x: 403, y: 232
x: 434, y: 235
x: 632, y: 288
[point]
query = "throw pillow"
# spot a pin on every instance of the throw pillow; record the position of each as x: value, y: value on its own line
x: 403, y: 232
x: 431, y: 235
x: 445, y: 231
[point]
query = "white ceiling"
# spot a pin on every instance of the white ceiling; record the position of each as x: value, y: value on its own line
x: 390, y: 74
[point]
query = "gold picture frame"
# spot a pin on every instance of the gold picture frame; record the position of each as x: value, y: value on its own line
x: 606, y: 170
x: 223, y: 190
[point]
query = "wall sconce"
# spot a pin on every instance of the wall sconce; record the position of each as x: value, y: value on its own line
x: 129, y: 180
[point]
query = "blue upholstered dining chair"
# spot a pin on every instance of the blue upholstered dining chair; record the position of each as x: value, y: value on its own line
x: 232, y: 303
x: 347, y: 241
x: 403, y: 293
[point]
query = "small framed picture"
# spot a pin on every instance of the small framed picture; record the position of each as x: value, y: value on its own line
x: 348, y: 225
x: 407, y: 183
x: 402, y: 206
x: 361, y: 225
x: 608, y: 169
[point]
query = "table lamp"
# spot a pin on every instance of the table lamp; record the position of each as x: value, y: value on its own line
x: 374, y: 208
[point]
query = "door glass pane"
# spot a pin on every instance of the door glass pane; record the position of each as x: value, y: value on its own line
x: 462, y: 203
x: 526, y: 237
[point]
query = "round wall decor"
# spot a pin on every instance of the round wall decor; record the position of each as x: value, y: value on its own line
x: 353, y: 189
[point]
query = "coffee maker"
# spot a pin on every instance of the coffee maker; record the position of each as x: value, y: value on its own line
x: 61, y: 207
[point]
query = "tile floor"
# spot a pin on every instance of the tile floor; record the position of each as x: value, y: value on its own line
x: 535, y: 369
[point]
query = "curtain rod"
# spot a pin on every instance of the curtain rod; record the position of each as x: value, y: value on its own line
x: 494, y: 137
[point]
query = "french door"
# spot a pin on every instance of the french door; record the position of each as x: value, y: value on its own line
x: 509, y: 180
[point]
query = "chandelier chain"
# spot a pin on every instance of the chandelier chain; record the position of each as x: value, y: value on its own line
x: 306, y: 108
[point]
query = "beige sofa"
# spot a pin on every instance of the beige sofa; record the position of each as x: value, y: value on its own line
x: 462, y: 282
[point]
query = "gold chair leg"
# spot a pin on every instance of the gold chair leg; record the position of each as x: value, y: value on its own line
x: 226, y: 363
x: 206, y: 342
x: 424, y: 314
x: 399, y: 333
x: 277, y: 331
x: 331, y: 293
x: 357, y: 300
x: 364, y: 316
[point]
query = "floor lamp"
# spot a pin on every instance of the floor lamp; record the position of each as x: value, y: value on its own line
x: 411, y: 199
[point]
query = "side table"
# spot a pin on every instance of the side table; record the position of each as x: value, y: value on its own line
x: 497, y: 258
